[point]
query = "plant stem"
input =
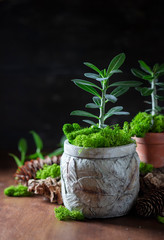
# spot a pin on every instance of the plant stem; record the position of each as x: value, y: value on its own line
x: 153, y: 99
x: 102, y: 107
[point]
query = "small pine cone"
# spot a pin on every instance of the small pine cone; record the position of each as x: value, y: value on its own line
x: 152, y: 204
x: 49, y: 188
x: 29, y: 169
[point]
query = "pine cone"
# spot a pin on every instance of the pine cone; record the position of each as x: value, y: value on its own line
x: 152, y: 180
x: 29, y: 169
x: 49, y: 187
x: 152, y: 204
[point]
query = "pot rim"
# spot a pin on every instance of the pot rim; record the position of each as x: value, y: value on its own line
x: 106, y: 152
x: 151, y: 138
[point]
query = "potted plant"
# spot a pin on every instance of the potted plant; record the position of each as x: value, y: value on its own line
x: 148, y: 126
x: 100, y: 166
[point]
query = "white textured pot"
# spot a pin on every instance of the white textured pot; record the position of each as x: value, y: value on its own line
x: 101, y: 182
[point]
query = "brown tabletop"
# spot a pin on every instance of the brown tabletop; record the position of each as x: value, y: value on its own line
x: 33, y: 218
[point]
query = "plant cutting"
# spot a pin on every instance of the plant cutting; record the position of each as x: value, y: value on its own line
x: 148, y: 126
x: 99, y: 166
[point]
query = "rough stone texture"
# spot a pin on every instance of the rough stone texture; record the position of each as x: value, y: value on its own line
x: 100, y: 187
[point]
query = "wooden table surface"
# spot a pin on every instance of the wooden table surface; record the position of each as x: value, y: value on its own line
x: 33, y: 218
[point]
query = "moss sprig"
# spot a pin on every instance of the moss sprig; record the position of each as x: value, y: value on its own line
x: 17, y: 191
x: 63, y: 214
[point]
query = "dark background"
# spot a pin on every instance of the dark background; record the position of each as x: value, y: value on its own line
x: 43, y: 45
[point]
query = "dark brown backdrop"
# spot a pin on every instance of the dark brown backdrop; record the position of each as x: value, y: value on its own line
x: 42, y: 47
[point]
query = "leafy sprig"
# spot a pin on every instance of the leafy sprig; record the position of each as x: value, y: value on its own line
x: 152, y: 76
x: 22, y: 147
x: 99, y: 92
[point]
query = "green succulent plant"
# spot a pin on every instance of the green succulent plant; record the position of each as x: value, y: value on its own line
x: 152, y: 76
x: 99, y: 91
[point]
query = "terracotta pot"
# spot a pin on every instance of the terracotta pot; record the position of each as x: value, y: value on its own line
x: 151, y: 149
x: 101, y: 182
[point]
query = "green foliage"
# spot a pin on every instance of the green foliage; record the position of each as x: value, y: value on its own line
x: 60, y: 150
x: 38, y: 143
x: 100, y: 91
x: 158, y: 124
x: 152, y: 76
x: 48, y: 171
x: 17, y: 191
x: 22, y: 147
x: 145, y: 168
x: 96, y: 137
x: 63, y: 214
x: 143, y: 123
x: 160, y: 219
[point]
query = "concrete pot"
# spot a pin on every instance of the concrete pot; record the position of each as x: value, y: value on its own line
x: 101, y: 182
x: 151, y: 149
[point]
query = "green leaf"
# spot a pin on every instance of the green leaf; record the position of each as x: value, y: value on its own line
x: 83, y: 113
x: 91, y: 75
x: 118, y: 91
x: 90, y: 122
x: 111, y: 98
x: 126, y: 84
x: 148, y: 77
x: 116, y: 71
x: 86, y: 83
x: 88, y: 88
x: 159, y: 84
x: 97, y: 100
x: 155, y: 67
x: 102, y: 79
x: 160, y: 73
x: 138, y: 73
x: 147, y: 102
x: 91, y: 105
x: 161, y: 98
x: 112, y: 111
x: 18, y: 162
x: 145, y: 91
x: 57, y: 152
x: 121, y: 113
x: 37, y: 140
x: 90, y: 65
x: 33, y: 156
x: 22, y: 147
x: 158, y: 108
x: 160, y: 219
x: 145, y: 67
x: 116, y: 62
x: 161, y: 67
x: 148, y: 110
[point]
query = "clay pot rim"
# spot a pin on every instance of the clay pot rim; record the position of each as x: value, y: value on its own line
x: 106, y: 152
x: 151, y: 138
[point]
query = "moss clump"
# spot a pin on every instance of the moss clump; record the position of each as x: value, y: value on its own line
x: 48, y: 171
x: 160, y: 219
x: 96, y: 137
x: 63, y: 214
x: 17, y: 191
x: 143, y: 123
x: 145, y: 168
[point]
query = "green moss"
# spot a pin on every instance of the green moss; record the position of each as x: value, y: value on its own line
x: 96, y: 137
x: 145, y: 168
x: 17, y: 191
x: 48, y: 171
x: 158, y: 125
x: 160, y: 219
x: 143, y: 123
x: 63, y: 214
